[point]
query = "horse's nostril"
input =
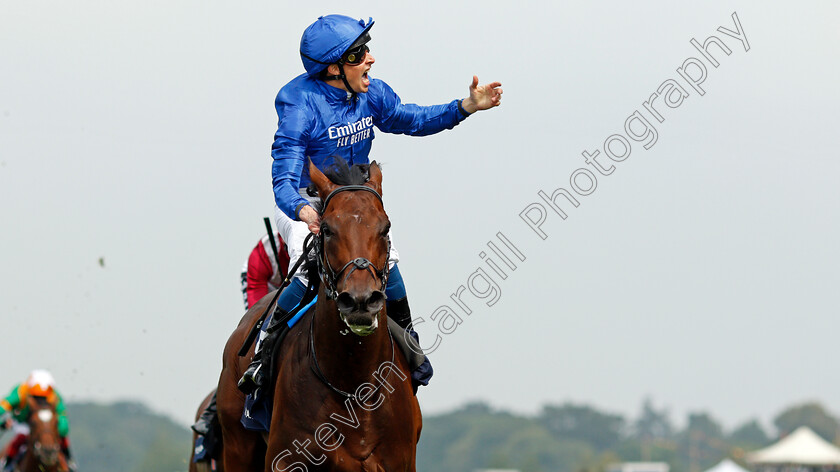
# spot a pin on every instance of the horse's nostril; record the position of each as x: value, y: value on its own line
x: 375, y: 301
x: 345, y: 302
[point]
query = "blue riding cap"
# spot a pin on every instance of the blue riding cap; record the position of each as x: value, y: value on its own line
x: 324, y: 41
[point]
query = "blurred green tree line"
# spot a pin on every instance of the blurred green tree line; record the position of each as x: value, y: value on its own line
x: 566, y: 437
x: 580, y: 438
x: 126, y: 436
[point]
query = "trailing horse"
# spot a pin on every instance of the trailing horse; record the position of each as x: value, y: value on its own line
x: 43, y: 445
x: 208, y: 464
x: 341, y: 394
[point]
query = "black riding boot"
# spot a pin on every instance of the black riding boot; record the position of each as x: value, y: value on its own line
x: 254, y: 376
x: 399, y: 311
x: 421, y: 368
x: 205, y: 422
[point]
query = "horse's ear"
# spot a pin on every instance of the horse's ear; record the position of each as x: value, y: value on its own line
x: 322, y: 183
x: 375, y: 180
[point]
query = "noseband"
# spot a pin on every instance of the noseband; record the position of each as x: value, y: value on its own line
x: 327, y: 273
x: 47, y: 456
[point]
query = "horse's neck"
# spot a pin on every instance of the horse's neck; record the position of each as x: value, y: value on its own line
x: 348, y: 360
x: 28, y: 462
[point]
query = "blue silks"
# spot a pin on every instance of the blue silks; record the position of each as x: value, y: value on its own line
x: 316, y: 122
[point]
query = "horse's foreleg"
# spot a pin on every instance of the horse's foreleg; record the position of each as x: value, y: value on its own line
x: 243, y: 451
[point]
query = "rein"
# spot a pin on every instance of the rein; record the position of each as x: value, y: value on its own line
x: 317, y: 369
x: 252, y: 335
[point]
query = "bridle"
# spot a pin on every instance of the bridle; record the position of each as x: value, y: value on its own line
x: 325, y: 270
x: 329, y: 277
x: 45, y: 456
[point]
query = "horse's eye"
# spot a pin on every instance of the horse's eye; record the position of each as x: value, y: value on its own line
x: 326, y: 231
x: 386, y: 230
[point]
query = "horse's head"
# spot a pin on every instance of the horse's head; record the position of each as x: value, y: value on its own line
x: 43, y: 436
x: 353, y: 247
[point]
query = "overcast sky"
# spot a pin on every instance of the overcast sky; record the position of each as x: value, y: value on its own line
x: 702, y: 271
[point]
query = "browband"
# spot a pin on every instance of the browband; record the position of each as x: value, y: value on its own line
x: 348, y: 188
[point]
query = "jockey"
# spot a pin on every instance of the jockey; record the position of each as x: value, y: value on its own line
x: 262, y: 272
x: 40, y: 383
x: 329, y: 113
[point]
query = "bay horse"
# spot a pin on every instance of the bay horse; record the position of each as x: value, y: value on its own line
x: 43, y: 446
x: 204, y: 466
x: 342, y: 398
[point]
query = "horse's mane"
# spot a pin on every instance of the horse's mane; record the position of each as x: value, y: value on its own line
x: 42, y: 402
x: 340, y: 173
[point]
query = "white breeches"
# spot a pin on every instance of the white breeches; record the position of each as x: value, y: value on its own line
x: 20, y: 428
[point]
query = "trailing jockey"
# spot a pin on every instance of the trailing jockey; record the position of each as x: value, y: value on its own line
x: 40, y: 383
x: 263, y: 272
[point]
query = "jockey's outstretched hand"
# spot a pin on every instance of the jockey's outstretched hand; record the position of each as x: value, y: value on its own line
x: 482, y: 97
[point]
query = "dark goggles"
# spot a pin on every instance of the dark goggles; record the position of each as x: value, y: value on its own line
x: 355, y: 55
